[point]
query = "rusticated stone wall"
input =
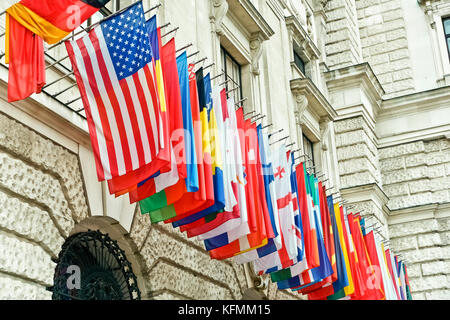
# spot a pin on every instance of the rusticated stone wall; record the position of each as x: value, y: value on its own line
x: 371, y: 31
x: 385, y: 45
x: 416, y: 173
x: 425, y: 244
x: 356, y: 152
x: 42, y: 202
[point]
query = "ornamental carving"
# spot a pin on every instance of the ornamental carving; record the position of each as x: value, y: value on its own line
x: 219, y: 9
x: 256, y: 50
x: 300, y: 108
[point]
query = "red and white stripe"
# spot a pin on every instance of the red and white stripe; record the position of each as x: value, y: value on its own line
x: 123, y: 115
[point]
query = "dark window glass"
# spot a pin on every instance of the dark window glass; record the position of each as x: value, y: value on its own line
x: 309, y: 151
x: 299, y: 62
x: 446, y: 22
x: 232, y: 71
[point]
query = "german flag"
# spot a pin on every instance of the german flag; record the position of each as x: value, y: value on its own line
x: 52, y: 20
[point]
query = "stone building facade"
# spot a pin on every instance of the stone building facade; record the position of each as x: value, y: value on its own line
x: 362, y: 85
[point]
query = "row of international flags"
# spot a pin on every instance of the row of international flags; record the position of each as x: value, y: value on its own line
x: 164, y: 135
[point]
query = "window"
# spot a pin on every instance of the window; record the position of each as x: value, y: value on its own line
x: 232, y: 71
x: 446, y: 22
x: 299, y: 62
x: 308, y: 150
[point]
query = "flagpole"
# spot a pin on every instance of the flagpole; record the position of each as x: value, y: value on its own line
x: 193, y: 54
x: 185, y: 47
x: 169, y: 32
x: 242, y: 100
x: 197, y: 62
x: 97, y: 23
x: 53, y: 82
x: 209, y: 66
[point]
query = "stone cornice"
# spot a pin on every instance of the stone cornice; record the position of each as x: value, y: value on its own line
x: 47, y: 110
x: 317, y: 103
x: 361, y: 73
x: 371, y: 188
x: 302, y: 37
x: 418, y: 116
x: 250, y: 18
x: 425, y: 100
x: 417, y: 213
x: 357, y: 76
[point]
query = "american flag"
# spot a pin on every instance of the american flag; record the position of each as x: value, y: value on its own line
x: 114, y: 72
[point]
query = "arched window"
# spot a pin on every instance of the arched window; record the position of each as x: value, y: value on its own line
x: 91, y: 266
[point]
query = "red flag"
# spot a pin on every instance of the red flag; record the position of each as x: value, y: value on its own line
x: 204, y: 197
x: 214, y: 220
x: 372, y: 251
x: 258, y: 235
x: 324, y: 287
x: 371, y: 281
x: 311, y: 248
x: 25, y: 55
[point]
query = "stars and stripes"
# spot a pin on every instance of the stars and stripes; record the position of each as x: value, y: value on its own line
x: 114, y: 73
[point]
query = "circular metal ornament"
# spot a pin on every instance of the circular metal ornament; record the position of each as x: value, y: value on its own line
x: 91, y: 266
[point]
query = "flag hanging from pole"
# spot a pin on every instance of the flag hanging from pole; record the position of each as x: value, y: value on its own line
x: 24, y: 52
x: 53, y: 20
x: 235, y: 228
x: 118, y: 92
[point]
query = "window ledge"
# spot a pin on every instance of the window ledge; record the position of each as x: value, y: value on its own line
x: 250, y: 18
x: 317, y: 102
x: 310, y: 50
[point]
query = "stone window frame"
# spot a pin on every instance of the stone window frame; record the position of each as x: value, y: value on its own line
x: 303, y: 45
x: 447, y: 36
x: 235, y: 83
x: 246, y: 47
x: 436, y: 12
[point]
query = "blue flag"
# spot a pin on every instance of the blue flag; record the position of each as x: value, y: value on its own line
x: 206, y: 105
x: 192, y: 184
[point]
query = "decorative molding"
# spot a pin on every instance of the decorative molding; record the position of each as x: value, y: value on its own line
x: 317, y: 103
x: 300, y: 107
x: 250, y: 18
x: 219, y: 10
x: 324, y: 126
x: 256, y: 50
x: 308, y: 50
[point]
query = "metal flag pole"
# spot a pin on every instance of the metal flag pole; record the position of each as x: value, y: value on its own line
x: 256, y: 115
x: 169, y: 32
x: 68, y: 88
x: 201, y: 60
x: 240, y: 101
x: 259, y: 118
x: 97, y: 23
x: 56, y: 62
x: 194, y: 54
x: 223, y: 83
x: 279, y: 140
x: 276, y: 132
x: 218, y: 76
x: 209, y: 66
x: 249, y: 113
x: 290, y: 145
x: 70, y: 102
x: 185, y: 47
x: 268, y: 126
x: 232, y: 90
x: 59, y: 79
